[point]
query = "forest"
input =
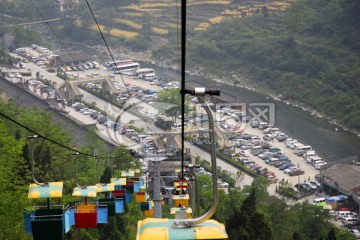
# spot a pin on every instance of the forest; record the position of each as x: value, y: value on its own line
x: 248, y: 213
x: 308, y: 54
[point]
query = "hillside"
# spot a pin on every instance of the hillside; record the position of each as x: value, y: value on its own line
x: 305, y: 51
x: 309, y: 54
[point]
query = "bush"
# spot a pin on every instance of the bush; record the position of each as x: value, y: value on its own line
x: 26, y: 74
x: 63, y: 76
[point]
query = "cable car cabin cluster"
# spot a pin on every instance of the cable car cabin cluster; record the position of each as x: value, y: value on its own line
x: 163, y: 229
x: 181, y: 199
x: 54, y: 221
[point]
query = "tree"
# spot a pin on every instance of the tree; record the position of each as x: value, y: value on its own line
x: 296, y: 236
x: 331, y: 235
x: 169, y: 102
x: 248, y: 223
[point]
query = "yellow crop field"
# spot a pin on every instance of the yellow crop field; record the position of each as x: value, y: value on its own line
x: 172, y: 25
x: 216, y: 20
x: 95, y: 27
x: 128, y: 23
x: 202, y: 26
x: 230, y: 12
x: 151, y: 5
x: 133, y: 14
x: 160, y: 31
x: 280, y: 3
x: 140, y: 9
x: 78, y: 23
x: 209, y: 3
x: 117, y: 33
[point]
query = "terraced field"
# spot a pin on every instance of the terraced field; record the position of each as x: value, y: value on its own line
x: 160, y: 16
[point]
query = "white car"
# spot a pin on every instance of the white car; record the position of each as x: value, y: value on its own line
x: 87, y: 112
x: 10, y: 75
x: 244, y: 153
x: 288, y: 170
x: 355, y: 233
x: 84, y: 110
x: 315, y: 182
x: 17, y: 75
x: 154, y: 82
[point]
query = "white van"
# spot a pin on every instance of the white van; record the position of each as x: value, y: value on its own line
x: 256, y: 148
x: 19, y: 50
x: 22, y: 65
x: 272, y: 130
x: 148, y: 97
x: 342, y: 214
x: 304, y: 148
x: 319, y: 202
x: 96, y: 65
x: 313, y: 159
x: 309, y: 154
x: 129, y: 132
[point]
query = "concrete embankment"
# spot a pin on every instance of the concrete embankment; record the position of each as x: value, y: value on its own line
x: 28, y: 100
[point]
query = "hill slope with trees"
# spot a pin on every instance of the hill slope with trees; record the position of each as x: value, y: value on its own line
x: 309, y: 53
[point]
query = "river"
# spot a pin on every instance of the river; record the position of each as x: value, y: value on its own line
x: 317, y: 132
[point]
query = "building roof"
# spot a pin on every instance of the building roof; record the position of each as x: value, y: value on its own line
x: 73, y: 57
x: 346, y: 176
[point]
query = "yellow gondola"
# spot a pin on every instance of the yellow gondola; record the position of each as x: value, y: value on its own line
x: 162, y: 229
x: 45, y: 222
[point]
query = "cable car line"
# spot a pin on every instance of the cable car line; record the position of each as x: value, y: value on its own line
x: 38, y: 135
x: 113, y: 59
x: 47, y: 22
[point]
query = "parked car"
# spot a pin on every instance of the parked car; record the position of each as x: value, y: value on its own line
x: 244, y: 153
x: 297, y: 173
x: 286, y: 165
x: 303, y: 187
x: 80, y: 106
x: 289, y: 169
x: 355, y: 233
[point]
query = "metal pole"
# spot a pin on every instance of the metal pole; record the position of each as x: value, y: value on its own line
x: 35, y: 137
x: 182, y: 91
x: 184, y: 223
x: 156, y: 195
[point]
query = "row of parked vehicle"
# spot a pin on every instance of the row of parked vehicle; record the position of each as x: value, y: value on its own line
x: 259, y: 169
x: 82, y: 67
x: 35, y: 85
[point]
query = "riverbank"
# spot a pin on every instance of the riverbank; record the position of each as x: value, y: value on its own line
x: 241, y: 81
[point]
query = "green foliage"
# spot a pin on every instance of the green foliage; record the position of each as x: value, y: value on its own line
x: 6, y: 59
x: 169, y: 102
x: 331, y: 235
x: 247, y: 222
x: 25, y: 37
x: 52, y: 163
x: 140, y: 43
x: 309, y: 53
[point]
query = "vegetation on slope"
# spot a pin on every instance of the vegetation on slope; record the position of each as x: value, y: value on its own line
x: 308, y: 53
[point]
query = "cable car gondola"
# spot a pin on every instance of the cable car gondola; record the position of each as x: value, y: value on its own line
x: 87, y: 215
x: 45, y: 222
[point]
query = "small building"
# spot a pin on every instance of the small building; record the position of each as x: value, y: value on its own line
x: 341, y: 179
x: 72, y: 59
